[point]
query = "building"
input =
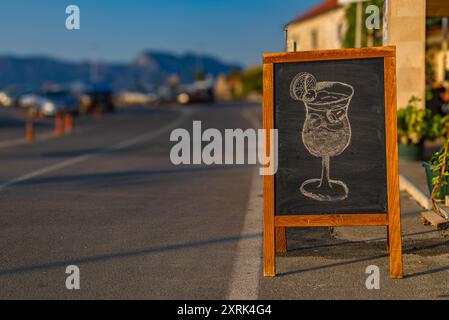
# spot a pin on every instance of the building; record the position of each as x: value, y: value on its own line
x: 321, y: 27
x: 324, y: 27
x: 228, y: 87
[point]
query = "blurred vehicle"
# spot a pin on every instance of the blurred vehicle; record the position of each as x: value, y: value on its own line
x: 51, y: 102
x: 129, y: 98
x: 198, y: 92
x: 5, y: 100
x: 34, y: 103
x: 167, y: 95
x: 98, y: 98
x: 10, y: 95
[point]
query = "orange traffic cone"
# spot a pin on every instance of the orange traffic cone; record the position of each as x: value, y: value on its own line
x: 68, y: 123
x: 59, y: 125
x: 98, y: 112
x: 29, y: 134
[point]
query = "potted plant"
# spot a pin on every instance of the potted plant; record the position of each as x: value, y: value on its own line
x: 436, y: 168
x: 413, y: 129
x: 437, y: 174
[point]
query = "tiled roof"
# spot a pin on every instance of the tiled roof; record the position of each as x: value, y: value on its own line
x: 320, y: 8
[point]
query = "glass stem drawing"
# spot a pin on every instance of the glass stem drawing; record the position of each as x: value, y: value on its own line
x: 326, y: 131
x: 325, y: 172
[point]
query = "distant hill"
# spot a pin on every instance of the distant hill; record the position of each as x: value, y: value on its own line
x: 150, y: 67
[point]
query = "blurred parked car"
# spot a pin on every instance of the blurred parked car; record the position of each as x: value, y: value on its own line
x: 167, y: 95
x: 135, y: 98
x: 100, y: 98
x: 49, y: 103
x: 198, y: 92
x: 10, y: 95
x: 34, y: 103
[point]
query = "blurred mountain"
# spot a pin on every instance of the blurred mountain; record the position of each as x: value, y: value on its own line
x: 149, y: 67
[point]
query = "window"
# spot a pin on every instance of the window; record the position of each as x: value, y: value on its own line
x: 314, y: 39
x: 340, y: 34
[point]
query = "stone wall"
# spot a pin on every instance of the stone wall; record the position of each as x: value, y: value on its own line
x: 406, y: 29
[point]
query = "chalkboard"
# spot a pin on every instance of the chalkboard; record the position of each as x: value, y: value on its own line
x: 351, y: 133
x: 335, y: 115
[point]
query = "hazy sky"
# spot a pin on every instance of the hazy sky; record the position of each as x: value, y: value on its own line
x: 233, y: 30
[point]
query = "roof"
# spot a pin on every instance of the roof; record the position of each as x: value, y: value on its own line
x: 320, y: 8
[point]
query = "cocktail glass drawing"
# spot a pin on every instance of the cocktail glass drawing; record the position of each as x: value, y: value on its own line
x: 326, y: 131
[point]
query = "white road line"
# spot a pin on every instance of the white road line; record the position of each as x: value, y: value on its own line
x: 246, y: 272
x: 121, y: 145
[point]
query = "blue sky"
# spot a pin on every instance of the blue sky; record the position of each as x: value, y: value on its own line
x: 233, y: 30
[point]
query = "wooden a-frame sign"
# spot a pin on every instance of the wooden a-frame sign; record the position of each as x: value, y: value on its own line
x: 276, y: 68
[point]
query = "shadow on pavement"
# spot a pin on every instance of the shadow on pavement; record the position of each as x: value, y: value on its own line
x: 118, y: 178
x: 122, y: 255
x: 350, y: 249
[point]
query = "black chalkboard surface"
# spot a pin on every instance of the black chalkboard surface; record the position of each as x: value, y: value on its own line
x: 330, y: 117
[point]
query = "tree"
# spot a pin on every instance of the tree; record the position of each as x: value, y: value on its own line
x: 350, y: 20
x: 199, y: 74
x: 252, y: 80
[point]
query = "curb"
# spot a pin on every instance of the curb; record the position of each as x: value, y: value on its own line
x: 420, y: 197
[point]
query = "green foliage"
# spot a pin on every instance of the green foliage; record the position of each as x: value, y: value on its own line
x: 199, y: 74
x: 416, y: 125
x: 413, y: 123
x: 431, y: 51
x: 438, y: 127
x: 251, y: 80
x: 351, y: 20
x: 437, y: 162
x: 429, y: 95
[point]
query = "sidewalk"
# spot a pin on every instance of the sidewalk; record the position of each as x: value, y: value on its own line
x: 414, y: 172
x: 330, y: 263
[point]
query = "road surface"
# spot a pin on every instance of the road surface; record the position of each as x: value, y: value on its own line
x: 108, y: 199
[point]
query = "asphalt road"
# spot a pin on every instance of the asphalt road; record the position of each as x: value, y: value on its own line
x: 108, y: 200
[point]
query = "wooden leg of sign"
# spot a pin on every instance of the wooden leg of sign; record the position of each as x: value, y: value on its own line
x: 395, y: 245
x: 388, y: 240
x: 395, y: 250
x: 281, y: 240
x: 269, y: 261
x: 269, y: 255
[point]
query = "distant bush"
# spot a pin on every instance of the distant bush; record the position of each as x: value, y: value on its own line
x: 251, y: 80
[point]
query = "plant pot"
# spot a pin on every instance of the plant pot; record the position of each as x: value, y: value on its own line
x: 410, y: 151
x: 431, y: 174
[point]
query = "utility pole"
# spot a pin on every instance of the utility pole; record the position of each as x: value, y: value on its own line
x: 285, y: 39
x: 358, y: 25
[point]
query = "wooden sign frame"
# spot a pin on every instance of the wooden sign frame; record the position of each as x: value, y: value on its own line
x: 274, y: 238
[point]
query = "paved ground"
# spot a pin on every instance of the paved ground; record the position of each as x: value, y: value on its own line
x: 414, y: 172
x: 108, y: 199
x: 330, y: 263
x: 12, y: 127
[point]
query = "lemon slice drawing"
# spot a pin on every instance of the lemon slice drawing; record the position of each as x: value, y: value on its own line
x: 303, y: 87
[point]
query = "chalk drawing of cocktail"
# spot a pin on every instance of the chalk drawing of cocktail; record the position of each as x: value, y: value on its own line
x: 326, y: 131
